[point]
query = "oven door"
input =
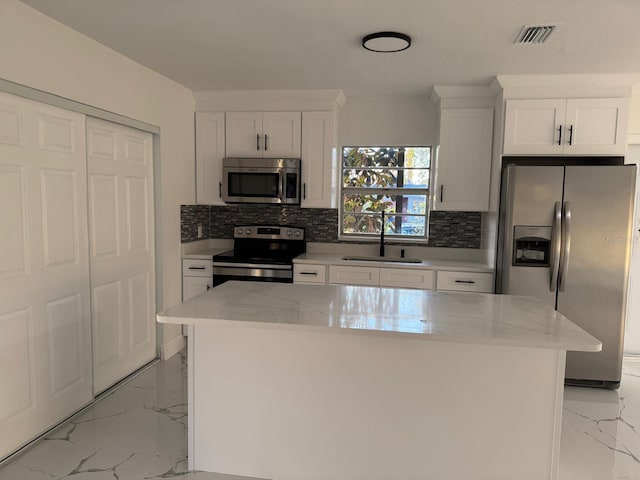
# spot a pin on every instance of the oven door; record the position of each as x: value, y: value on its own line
x: 225, y: 271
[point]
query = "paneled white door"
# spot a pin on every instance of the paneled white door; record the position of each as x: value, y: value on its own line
x: 45, y: 339
x: 121, y: 230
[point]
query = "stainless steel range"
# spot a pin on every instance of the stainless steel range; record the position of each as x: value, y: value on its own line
x: 262, y: 253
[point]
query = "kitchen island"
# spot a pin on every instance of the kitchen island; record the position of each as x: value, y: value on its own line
x: 339, y: 382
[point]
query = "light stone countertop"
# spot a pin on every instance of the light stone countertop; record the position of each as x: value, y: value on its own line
x: 452, y: 265
x: 420, y: 314
x: 204, y: 254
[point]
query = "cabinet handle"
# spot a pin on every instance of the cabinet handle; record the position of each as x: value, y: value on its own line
x: 266, y: 142
x: 441, y: 193
x: 197, y: 268
x: 304, y: 191
x: 208, y: 287
x: 571, y: 135
x: 471, y: 282
x: 313, y: 274
x: 220, y: 189
x: 560, y: 136
x: 258, y: 141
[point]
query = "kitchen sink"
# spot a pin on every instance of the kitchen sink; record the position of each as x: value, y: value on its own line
x: 382, y: 259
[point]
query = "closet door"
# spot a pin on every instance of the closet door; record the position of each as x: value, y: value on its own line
x: 121, y: 249
x: 45, y: 339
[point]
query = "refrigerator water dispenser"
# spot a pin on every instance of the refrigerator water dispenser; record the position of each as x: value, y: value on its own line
x: 531, y: 246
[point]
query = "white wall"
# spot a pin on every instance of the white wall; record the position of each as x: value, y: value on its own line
x: 41, y: 53
x: 388, y: 120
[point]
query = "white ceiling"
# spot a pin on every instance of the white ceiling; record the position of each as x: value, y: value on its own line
x: 301, y: 44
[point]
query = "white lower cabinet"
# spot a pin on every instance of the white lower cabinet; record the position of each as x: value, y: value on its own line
x: 381, y: 277
x: 197, y: 277
x: 407, y: 278
x: 419, y: 278
x: 346, y: 275
x: 313, y: 274
x: 465, y: 281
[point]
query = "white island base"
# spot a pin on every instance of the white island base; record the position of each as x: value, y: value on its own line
x: 370, y: 394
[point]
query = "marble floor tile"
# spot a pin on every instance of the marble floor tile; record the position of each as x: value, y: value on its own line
x: 139, y: 433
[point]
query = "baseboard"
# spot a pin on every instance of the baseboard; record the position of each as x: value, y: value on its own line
x: 172, y: 347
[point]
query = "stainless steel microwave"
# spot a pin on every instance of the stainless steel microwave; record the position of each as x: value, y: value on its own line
x: 261, y: 180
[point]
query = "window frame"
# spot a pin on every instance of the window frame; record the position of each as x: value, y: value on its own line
x: 389, y: 238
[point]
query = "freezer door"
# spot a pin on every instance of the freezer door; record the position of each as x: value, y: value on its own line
x: 592, y: 289
x: 530, y: 196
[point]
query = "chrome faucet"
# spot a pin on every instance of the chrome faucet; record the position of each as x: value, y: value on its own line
x: 382, y: 236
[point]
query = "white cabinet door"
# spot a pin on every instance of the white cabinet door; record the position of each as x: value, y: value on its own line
x: 585, y: 126
x: 306, y: 273
x: 244, y: 134
x: 281, y: 132
x: 345, y: 275
x: 318, y: 160
x: 534, y: 127
x: 257, y: 134
x: 596, y: 126
x: 463, y: 169
x: 465, y: 281
x: 122, y: 250
x: 45, y: 325
x: 194, y: 286
x: 406, y: 278
x: 209, y: 154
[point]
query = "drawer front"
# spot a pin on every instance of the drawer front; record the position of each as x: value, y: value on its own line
x: 316, y: 274
x: 339, y: 275
x: 406, y: 278
x: 197, y: 268
x: 465, y: 281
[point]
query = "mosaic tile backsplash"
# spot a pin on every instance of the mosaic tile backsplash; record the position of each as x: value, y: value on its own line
x: 446, y: 229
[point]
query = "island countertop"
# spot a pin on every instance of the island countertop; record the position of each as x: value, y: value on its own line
x: 421, y: 314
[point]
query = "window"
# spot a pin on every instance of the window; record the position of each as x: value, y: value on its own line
x: 390, y: 179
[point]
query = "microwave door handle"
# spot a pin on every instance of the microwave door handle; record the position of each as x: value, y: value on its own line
x: 282, y: 186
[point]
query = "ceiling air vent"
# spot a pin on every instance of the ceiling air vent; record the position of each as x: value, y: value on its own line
x: 535, y: 33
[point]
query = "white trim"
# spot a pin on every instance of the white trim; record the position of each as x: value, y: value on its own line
x: 634, y: 139
x: 568, y: 80
x: 173, y: 346
x: 559, y: 406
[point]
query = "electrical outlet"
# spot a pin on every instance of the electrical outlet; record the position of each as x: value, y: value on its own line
x: 199, y: 230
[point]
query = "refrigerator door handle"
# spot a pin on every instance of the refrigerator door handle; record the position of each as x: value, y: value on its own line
x: 566, y: 242
x: 555, y: 246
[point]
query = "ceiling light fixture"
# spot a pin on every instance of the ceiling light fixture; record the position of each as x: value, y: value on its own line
x: 386, y: 42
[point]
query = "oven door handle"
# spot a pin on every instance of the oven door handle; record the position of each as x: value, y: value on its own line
x: 252, y: 265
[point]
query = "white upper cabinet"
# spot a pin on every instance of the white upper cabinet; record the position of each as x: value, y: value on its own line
x: 463, y: 163
x: 263, y: 134
x: 318, y: 160
x: 209, y: 154
x: 586, y: 126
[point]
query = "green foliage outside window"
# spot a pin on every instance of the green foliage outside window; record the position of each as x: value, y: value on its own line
x: 393, y: 179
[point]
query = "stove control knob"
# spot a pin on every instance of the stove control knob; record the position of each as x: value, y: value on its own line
x: 289, y: 233
x: 239, y: 231
x: 247, y: 231
x: 297, y: 234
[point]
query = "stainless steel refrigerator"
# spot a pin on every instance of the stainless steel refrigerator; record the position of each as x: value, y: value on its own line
x: 565, y: 237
